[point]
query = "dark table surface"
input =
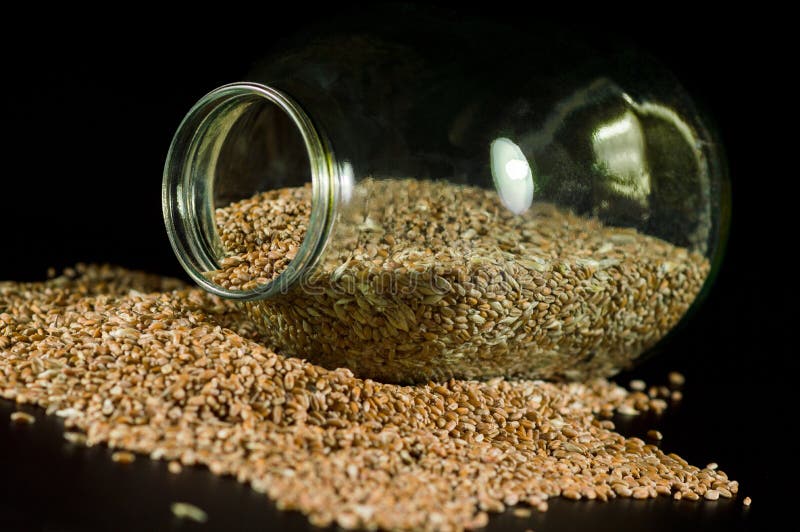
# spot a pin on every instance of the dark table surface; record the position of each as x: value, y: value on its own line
x: 91, y: 120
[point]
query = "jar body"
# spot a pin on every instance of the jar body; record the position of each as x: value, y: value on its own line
x: 480, y: 207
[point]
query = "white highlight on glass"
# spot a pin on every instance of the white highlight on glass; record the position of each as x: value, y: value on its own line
x: 346, y: 182
x: 512, y: 175
x: 619, y: 148
x: 517, y: 169
x: 616, y: 128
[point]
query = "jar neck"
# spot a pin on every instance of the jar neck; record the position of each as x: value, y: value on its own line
x: 192, y: 169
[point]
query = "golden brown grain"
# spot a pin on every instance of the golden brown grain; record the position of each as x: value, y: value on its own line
x: 676, y: 379
x: 89, y: 346
x: 439, y: 281
x: 637, y: 385
x: 655, y: 435
x: 123, y: 457
x: 184, y: 510
x: 22, y: 418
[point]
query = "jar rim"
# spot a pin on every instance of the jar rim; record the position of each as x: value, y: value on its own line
x: 187, y: 199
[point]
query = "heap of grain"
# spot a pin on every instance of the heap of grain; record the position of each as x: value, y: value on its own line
x: 441, y: 281
x: 149, y: 365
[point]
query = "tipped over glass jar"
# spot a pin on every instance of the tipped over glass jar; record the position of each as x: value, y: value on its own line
x: 425, y: 200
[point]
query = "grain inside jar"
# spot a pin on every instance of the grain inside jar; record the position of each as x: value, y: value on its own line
x: 442, y: 281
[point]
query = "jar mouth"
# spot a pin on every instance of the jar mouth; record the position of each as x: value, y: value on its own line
x: 209, y: 149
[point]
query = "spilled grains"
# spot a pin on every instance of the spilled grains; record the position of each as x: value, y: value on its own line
x: 676, y: 380
x: 433, y: 280
x: 22, y: 418
x: 184, y: 510
x: 637, y: 385
x: 123, y: 457
x: 90, y: 346
x: 75, y: 437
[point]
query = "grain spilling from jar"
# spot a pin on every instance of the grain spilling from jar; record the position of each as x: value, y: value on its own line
x: 90, y: 346
x: 435, y: 280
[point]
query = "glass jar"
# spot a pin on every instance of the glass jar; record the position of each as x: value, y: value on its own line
x: 425, y: 200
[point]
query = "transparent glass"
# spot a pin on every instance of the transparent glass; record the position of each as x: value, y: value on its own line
x: 481, y: 203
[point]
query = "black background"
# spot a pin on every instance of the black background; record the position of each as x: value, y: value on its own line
x: 88, y: 112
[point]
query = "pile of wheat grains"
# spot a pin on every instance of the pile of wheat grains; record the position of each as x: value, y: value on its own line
x: 146, y: 364
x: 432, y: 280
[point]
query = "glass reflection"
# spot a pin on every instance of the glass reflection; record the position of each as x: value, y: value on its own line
x: 512, y: 174
x: 619, y: 149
